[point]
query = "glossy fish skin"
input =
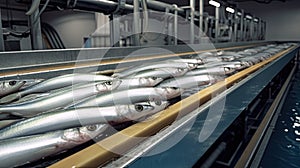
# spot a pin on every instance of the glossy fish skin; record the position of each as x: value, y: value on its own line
x: 163, y: 64
x: 130, y: 96
x: 160, y: 73
x: 186, y: 82
x: 197, y: 61
x: 55, y: 83
x: 64, y: 119
x: 130, y: 83
x: 218, y: 70
x: 18, y: 151
x: 58, y: 100
x: 8, y: 87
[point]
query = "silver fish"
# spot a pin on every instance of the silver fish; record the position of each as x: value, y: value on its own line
x: 218, y: 70
x: 11, y: 86
x: 63, y: 119
x: 55, y: 83
x: 58, y: 100
x: 130, y: 96
x: 30, y: 82
x: 18, y: 151
x: 186, y: 82
x: 160, y: 73
x: 139, y: 82
x: 5, y: 123
x: 163, y: 64
x: 188, y: 60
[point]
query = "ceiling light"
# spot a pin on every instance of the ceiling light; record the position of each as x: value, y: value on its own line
x: 229, y: 9
x: 248, y: 17
x: 255, y: 20
x: 214, y: 3
x: 239, y: 13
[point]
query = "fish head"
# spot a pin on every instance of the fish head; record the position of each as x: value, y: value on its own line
x: 169, y: 92
x: 229, y: 70
x: 12, y: 84
x: 108, y: 85
x: 82, y: 134
x: 180, y: 72
x: 150, y: 81
x: 191, y: 66
x: 135, y: 111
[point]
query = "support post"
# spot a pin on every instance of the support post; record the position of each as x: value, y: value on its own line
x: 35, y: 31
x: 175, y: 24
x: 242, y: 27
x: 217, y: 19
x: 235, y: 20
x: 1, y: 34
x: 114, y: 30
x: 192, y: 13
x: 136, y: 22
x: 200, y: 20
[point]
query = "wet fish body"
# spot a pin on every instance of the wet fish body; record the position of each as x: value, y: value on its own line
x: 57, y: 100
x: 160, y: 73
x: 18, y: 151
x: 130, y: 96
x: 163, y: 64
x: 64, y: 119
x: 130, y: 83
x: 186, y: 82
x: 218, y: 70
x: 55, y: 83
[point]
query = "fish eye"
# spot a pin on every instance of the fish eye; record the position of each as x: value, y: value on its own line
x: 109, y: 82
x: 139, y: 108
x: 227, y: 69
x: 91, y: 127
x: 174, y: 88
x: 158, y: 102
x: 11, y: 83
x: 154, y: 78
x: 180, y: 69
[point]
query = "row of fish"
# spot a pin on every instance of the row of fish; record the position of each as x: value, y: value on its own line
x: 63, y: 112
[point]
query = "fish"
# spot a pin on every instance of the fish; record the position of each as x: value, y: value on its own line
x: 58, y: 100
x: 30, y: 82
x: 63, y: 119
x: 10, y: 86
x: 197, y: 61
x: 129, y: 96
x: 160, y: 73
x: 186, y: 82
x: 5, y: 123
x: 139, y: 82
x: 218, y: 70
x: 18, y: 151
x: 55, y: 83
x: 163, y: 64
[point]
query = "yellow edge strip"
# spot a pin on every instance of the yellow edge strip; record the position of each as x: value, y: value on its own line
x: 107, y: 62
x: 119, y: 143
x: 243, y: 161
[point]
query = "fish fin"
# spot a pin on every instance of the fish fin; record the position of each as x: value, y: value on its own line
x: 10, y: 98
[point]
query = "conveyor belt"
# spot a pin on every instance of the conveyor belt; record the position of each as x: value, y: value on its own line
x: 122, y: 141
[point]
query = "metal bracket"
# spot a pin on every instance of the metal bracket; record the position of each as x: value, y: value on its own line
x: 71, y: 3
x: 120, y: 7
